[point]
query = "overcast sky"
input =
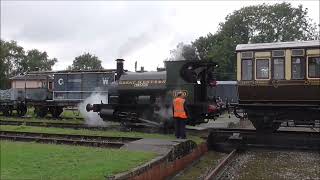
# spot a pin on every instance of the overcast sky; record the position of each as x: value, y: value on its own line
x: 140, y: 31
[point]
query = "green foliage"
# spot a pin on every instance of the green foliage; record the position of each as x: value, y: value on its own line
x: 86, y: 62
x: 36, y: 61
x: 21, y: 160
x: 253, y: 24
x: 10, y: 55
x: 14, y: 61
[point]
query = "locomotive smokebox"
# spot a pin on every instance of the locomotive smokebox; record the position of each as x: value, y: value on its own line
x: 120, y: 69
x: 89, y: 107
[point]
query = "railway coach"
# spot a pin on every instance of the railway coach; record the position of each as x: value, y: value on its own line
x: 279, y: 82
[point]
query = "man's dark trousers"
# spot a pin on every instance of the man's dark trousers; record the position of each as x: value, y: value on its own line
x: 180, y: 128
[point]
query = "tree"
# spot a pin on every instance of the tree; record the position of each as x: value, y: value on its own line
x: 14, y: 61
x: 10, y: 55
x: 254, y: 24
x: 86, y: 62
x: 35, y: 60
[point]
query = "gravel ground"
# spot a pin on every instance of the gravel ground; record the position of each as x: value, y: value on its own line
x: 274, y: 165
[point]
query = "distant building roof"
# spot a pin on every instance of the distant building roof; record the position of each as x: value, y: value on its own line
x: 278, y: 45
x: 32, y: 77
x: 85, y: 71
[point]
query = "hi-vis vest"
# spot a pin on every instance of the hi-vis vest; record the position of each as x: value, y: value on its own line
x: 178, y: 108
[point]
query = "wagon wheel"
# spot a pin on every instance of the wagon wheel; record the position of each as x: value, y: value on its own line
x: 22, y: 110
x: 7, y: 111
x: 41, y: 111
x: 56, y: 111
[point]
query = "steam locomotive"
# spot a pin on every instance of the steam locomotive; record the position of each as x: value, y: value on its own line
x: 145, y: 98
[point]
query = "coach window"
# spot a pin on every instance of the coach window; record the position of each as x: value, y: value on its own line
x: 262, y: 69
x: 278, y: 64
x: 246, y: 72
x: 278, y: 68
x: 314, y: 67
x: 298, y: 68
x: 298, y: 65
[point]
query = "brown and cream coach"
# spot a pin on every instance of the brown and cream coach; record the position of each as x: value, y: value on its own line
x: 278, y: 82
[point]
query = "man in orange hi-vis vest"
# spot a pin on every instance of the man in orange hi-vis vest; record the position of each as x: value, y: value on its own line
x: 180, y: 115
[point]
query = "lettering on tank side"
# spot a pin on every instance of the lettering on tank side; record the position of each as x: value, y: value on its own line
x: 105, y: 81
x: 60, y: 82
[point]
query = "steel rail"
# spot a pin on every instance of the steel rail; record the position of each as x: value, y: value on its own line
x: 47, y: 118
x: 85, y: 140
x: 300, y: 140
x: 55, y: 124
x: 62, y: 141
x: 69, y: 136
x: 221, y: 166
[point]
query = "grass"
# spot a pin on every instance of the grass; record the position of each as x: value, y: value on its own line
x: 21, y: 160
x: 112, y: 133
x: 199, y: 169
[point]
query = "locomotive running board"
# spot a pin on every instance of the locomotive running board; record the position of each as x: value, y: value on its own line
x: 149, y: 122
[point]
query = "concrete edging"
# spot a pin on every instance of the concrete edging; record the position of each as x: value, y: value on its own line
x: 165, y: 166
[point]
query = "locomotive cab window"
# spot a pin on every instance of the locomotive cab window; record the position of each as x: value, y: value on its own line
x: 314, y: 67
x: 246, y: 72
x: 262, y: 68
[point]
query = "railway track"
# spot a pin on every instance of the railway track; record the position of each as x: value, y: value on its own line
x: 80, y: 126
x: 83, y: 140
x: 55, y: 124
x: 249, y: 138
x: 47, y: 118
x: 218, y: 170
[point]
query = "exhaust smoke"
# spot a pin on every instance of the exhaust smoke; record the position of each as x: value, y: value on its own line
x: 92, y: 118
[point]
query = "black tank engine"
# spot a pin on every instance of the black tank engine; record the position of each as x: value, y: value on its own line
x: 145, y: 98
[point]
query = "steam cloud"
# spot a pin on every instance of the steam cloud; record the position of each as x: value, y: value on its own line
x: 92, y: 118
x: 176, y: 54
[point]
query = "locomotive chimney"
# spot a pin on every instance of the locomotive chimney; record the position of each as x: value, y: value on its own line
x: 119, y: 68
x: 135, y: 66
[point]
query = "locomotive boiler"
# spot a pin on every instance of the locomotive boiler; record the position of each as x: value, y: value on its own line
x: 145, y: 98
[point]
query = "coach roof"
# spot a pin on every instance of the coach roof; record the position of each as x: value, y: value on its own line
x: 278, y: 45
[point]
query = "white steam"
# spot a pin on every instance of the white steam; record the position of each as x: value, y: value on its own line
x: 177, y: 53
x: 92, y: 118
